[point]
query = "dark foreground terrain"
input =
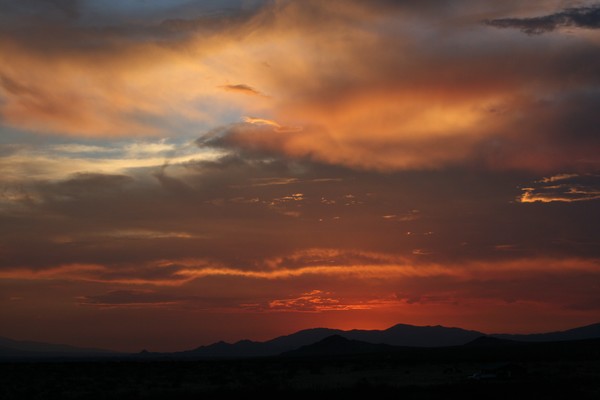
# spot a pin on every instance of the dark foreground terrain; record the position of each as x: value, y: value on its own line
x: 484, y: 370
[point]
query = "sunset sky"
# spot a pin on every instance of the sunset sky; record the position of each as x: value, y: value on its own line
x: 178, y: 172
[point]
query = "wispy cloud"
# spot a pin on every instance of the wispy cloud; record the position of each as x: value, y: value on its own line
x: 577, y: 17
x: 178, y: 272
x: 242, y: 88
x: 564, y: 188
x: 130, y: 299
x: 56, y: 162
x: 278, y: 127
x: 315, y: 301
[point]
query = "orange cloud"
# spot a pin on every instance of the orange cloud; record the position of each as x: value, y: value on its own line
x: 313, y: 262
x: 347, y: 100
x: 565, y: 188
x: 278, y: 127
x: 125, y: 88
x: 315, y: 301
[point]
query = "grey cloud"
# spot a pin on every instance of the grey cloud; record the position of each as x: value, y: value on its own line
x: 173, y: 185
x: 561, y: 132
x: 225, y: 204
x: 87, y: 184
x: 580, y: 17
x: 127, y: 298
x: 242, y: 88
x: 71, y: 8
x: 95, y: 180
x: 564, y: 289
x: 41, y: 8
x: 130, y: 298
x: 39, y: 26
x: 232, y: 221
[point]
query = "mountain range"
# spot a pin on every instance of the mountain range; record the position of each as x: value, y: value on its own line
x: 10, y: 348
x: 361, y: 341
x: 397, y: 335
x: 484, y: 349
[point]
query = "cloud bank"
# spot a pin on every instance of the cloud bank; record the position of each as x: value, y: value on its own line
x: 298, y: 163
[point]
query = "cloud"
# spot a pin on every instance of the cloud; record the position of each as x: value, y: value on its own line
x: 179, y: 272
x: 394, y: 114
x: 117, y: 79
x: 318, y: 263
x: 578, y: 17
x: 242, y: 88
x: 91, y: 183
x: 130, y: 298
x: 141, y: 234
x: 42, y: 9
x: 268, y: 122
x: 237, y: 211
x: 71, y: 8
x: 315, y: 301
x: 523, y: 285
x: 58, y: 162
x: 345, y: 101
x: 564, y: 188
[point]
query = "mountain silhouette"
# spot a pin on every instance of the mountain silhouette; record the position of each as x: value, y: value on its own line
x: 481, y: 349
x: 581, y: 333
x: 397, y: 335
x: 416, y: 336
x: 338, y: 345
x: 401, y: 335
x: 10, y: 348
x: 273, y: 347
x: 490, y: 341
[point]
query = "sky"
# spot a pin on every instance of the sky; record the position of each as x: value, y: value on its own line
x: 175, y: 173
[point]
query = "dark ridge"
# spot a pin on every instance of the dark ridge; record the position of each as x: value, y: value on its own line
x: 580, y: 333
x: 337, y: 345
x: 23, y: 349
x: 490, y: 341
x: 400, y: 335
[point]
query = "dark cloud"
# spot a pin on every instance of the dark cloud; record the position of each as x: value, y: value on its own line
x: 129, y: 298
x: 562, y: 188
x: 41, y: 9
x: 242, y: 88
x: 579, y: 17
x: 240, y: 211
x: 81, y: 186
x: 84, y: 182
x: 71, y: 8
x: 173, y: 185
x: 564, y: 289
x: 164, y: 298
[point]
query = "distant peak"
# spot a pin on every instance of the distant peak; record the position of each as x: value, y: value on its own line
x: 335, y: 339
x: 397, y: 326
